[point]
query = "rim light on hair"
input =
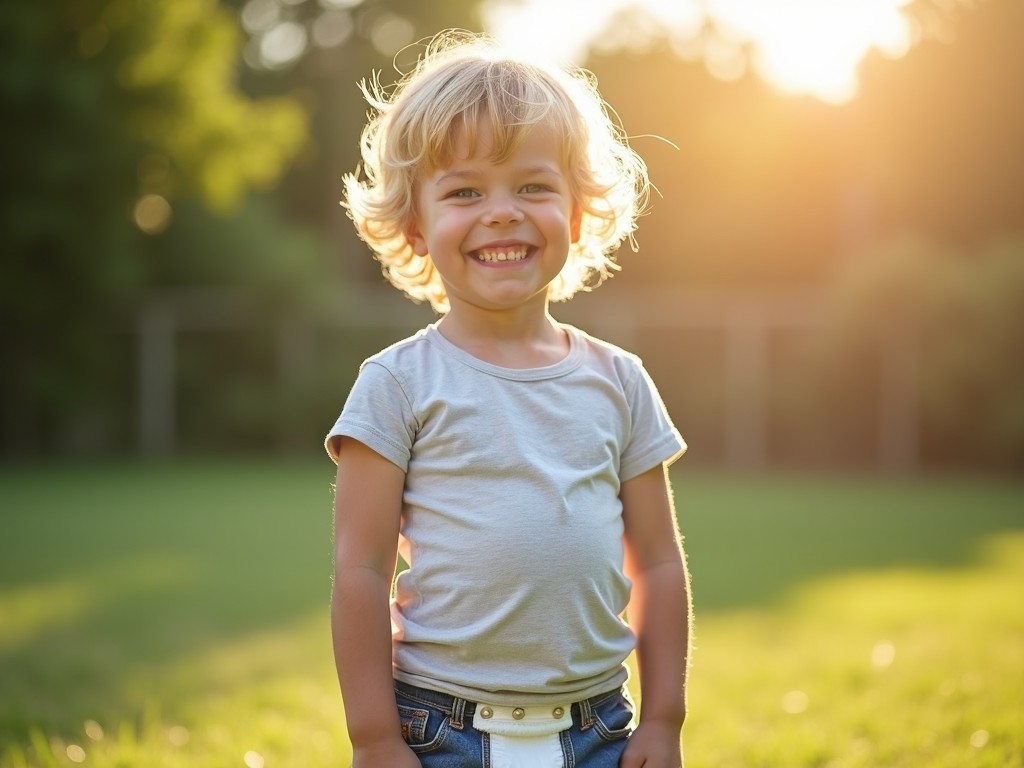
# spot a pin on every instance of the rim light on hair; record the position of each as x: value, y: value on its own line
x: 460, y: 79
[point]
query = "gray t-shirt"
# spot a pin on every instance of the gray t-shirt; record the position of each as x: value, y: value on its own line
x: 511, y: 520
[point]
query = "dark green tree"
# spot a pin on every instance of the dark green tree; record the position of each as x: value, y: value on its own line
x: 115, y: 111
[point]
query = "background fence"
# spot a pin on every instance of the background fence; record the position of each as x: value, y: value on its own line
x: 718, y: 387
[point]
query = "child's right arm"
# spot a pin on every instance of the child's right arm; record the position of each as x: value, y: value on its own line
x: 367, y: 509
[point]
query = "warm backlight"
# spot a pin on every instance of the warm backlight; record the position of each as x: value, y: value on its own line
x: 801, y: 46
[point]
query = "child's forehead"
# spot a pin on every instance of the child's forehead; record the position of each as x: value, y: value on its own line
x: 496, y: 137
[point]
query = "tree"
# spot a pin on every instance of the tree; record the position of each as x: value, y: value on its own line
x: 117, y: 110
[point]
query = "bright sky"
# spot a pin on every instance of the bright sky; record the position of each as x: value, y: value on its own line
x: 801, y: 46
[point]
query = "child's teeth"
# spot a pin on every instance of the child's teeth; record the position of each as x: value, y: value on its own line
x: 516, y: 255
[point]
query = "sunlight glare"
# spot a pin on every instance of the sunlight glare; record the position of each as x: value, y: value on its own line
x: 795, y: 702
x: 815, y: 47
x: 558, y: 32
x: 94, y: 730
x: 152, y: 214
x: 801, y: 46
x: 283, y: 44
x: 883, y: 654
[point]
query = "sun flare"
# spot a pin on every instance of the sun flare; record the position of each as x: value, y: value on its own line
x: 801, y: 46
x: 815, y: 47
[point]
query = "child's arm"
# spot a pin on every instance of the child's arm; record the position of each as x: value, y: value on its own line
x: 367, y: 509
x: 659, y: 613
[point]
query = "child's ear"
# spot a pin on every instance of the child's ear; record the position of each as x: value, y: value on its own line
x: 416, y: 240
x: 574, y: 221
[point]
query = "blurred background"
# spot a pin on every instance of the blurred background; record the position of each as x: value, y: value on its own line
x: 828, y: 289
x: 831, y: 275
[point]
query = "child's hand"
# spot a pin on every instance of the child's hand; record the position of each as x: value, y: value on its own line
x: 653, y: 745
x: 393, y: 754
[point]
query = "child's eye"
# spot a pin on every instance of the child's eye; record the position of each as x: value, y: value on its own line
x: 463, y: 193
x: 533, y: 188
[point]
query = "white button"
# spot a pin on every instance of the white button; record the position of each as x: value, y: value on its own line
x: 486, y: 712
x: 518, y: 713
x: 558, y: 712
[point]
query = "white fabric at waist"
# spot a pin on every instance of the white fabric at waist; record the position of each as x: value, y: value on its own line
x: 522, y: 721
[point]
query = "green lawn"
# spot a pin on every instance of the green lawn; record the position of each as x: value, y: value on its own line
x: 176, y: 615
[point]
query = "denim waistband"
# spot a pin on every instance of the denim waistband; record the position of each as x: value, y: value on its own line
x: 458, y: 709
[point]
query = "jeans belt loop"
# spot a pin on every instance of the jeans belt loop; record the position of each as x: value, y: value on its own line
x: 586, y: 715
x: 458, y: 712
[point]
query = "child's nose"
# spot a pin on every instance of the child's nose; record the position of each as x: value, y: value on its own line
x: 504, y: 210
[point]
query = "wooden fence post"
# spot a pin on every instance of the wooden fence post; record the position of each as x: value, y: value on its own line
x: 157, y: 379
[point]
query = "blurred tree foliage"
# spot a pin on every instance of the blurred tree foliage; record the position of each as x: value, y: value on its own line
x: 160, y: 145
x: 114, y: 111
x: 762, y: 188
x: 962, y: 312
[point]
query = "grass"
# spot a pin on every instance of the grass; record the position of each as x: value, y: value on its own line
x: 175, y: 614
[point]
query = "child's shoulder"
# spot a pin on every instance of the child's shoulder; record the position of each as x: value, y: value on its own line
x: 410, y: 352
x: 601, y: 348
x: 399, y: 351
x: 398, y: 347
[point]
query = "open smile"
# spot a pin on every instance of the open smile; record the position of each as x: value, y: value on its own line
x: 502, y: 255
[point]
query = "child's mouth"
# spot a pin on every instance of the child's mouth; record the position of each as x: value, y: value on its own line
x: 497, y: 255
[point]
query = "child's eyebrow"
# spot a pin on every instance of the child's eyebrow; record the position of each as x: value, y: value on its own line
x: 456, y: 176
x: 461, y: 175
x: 542, y: 168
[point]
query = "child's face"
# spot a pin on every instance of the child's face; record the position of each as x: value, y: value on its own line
x: 498, y: 233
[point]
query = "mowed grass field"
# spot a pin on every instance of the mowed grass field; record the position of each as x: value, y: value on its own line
x: 176, y: 615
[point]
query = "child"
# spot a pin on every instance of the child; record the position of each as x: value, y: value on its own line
x: 517, y: 464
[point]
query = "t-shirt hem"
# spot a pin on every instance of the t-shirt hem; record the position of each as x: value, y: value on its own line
x: 507, y: 698
x: 370, y: 437
x: 665, y: 452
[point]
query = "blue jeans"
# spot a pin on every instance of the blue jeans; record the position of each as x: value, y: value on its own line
x: 439, y: 729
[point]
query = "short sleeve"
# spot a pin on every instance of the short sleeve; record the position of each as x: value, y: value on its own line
x: 378, y: 413
x: 653, y: 438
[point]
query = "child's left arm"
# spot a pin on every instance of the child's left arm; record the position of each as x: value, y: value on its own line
x: 659, y: 613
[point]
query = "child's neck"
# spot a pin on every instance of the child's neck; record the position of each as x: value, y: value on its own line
x: 509, y: 340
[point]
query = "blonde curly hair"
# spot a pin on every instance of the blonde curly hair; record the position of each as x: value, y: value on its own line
x: 460, y: 79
